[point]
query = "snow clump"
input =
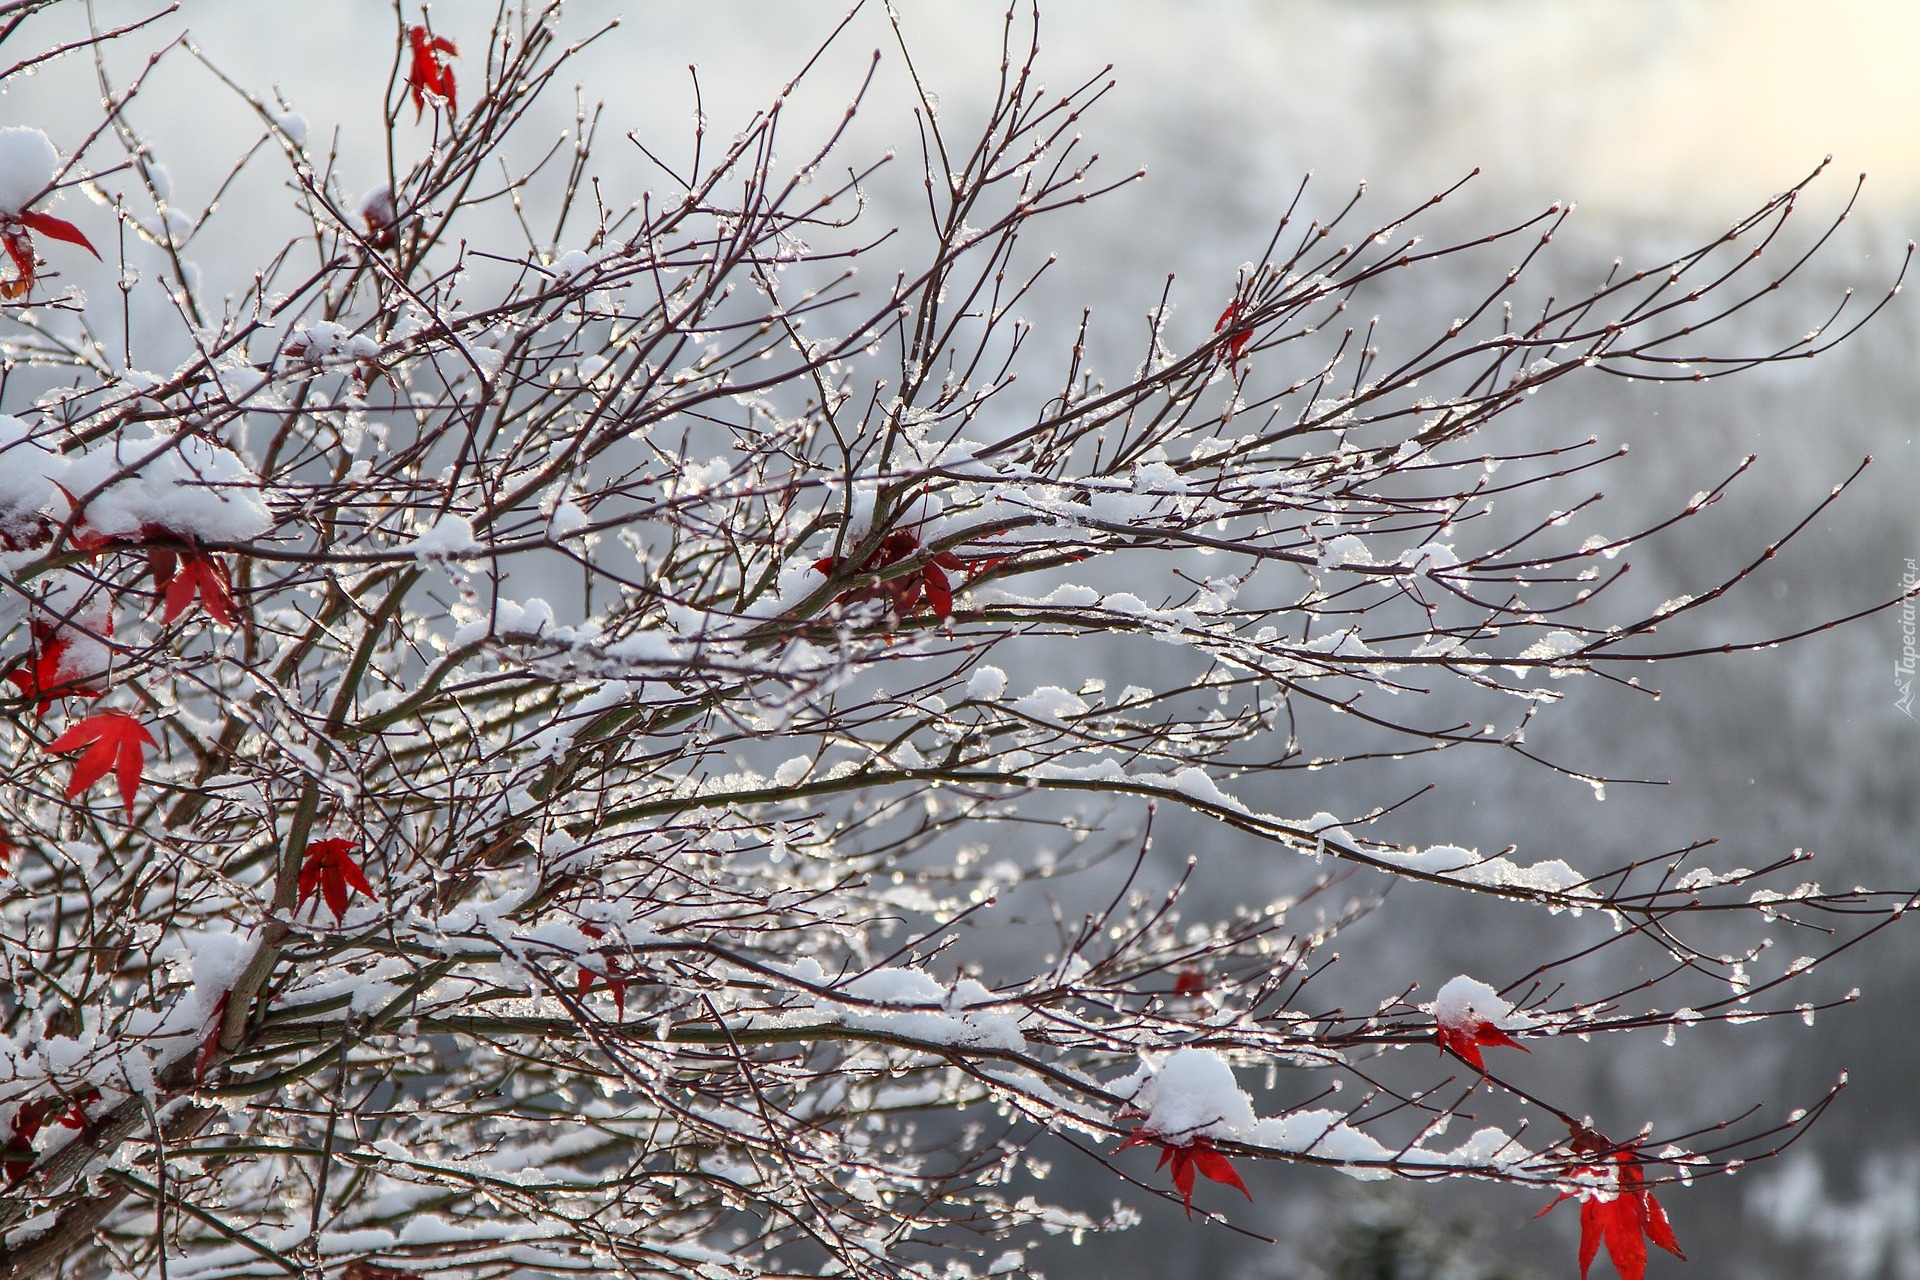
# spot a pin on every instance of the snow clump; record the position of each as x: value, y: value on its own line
x: 1466, y: 1003
x: 1193, y: 1094
x: 27, y: 165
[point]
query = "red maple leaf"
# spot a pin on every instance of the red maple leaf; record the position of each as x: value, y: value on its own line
x: 18, y: 1155
x: 429, y: 73
x: 616, y: 981
x: 14, y: 234
x: 113, y: 742
x: 75, y: 1116
x: 383, y: 222
x: 1625, y: 1216
x: 330, y: 868
x: 39, y: 678
x: 210, y: 1046
x: 1466, y: 1038
x: 1238, y: 336
x: 180, y: 577
x: 904, y: 591
x: 1194, y: 1156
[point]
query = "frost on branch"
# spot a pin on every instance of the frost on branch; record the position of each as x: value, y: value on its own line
x: 637, y: 741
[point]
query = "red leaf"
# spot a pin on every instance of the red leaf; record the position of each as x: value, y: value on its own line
x: 1624, y: 1217
x: 18, y: 1155
x: 14, y: 234
x: 905, y: 592
x: 1659, y: 1230
x: 38, y: 677
x: 1196, y: 1156
x: 1189, y: 982
x: 1238, y: 336
x: 1183, y: 1176
x: 330, y: 868
x: 1466, y: 1038
x: 200, y: 574
x: 428, y: 73
x: 211, y: 1045
x: 939, y: 592
x: 113, y: 742
x: 56, y: 229
x: 75, y: 1116
x: 1216, y: 1167
x: 7, y: 849
x: 616, y: 981
x: 19, y: 247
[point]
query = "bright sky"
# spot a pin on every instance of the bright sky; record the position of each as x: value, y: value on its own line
x: 1645, y: 104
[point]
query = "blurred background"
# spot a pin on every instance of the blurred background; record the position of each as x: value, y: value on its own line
x: 1663, y: 120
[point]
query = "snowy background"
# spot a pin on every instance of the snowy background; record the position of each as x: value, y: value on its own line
x: 1664, y: 120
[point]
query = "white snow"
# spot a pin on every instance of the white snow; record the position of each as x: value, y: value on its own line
x: 1325, y: 1134
x: 28, y: 472
x: 1050, y: 702
x: 291, y: 123
x: 897, y: 986
x: 986, y: 684
x: 1436, y: 859
x: 1345, y: 550
x: 1554, y: 644
x: 1323, y: 826
x: 1465, y: 1003
x: 184, y: 484
x: 27, y: 164
x: 1427, y: 559
x: 1193, y: 1094
x: 929, y: 1011
x: 156, y: 176
x: 376, y: 208
x: 1552, y: 876
x: 326, y: 344
x: 567, y: 518
x: 450, y: 535
x: 508, y: 617
x: 1194, y: 783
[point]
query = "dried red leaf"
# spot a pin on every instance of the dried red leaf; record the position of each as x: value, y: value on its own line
x: 1624, y: 1218
x: 429, y: 73
x: 7, y: 849
x: 330, y: 868
x: 1197, y: 1155
x: 1189, y: 982
x: 113, y: 742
